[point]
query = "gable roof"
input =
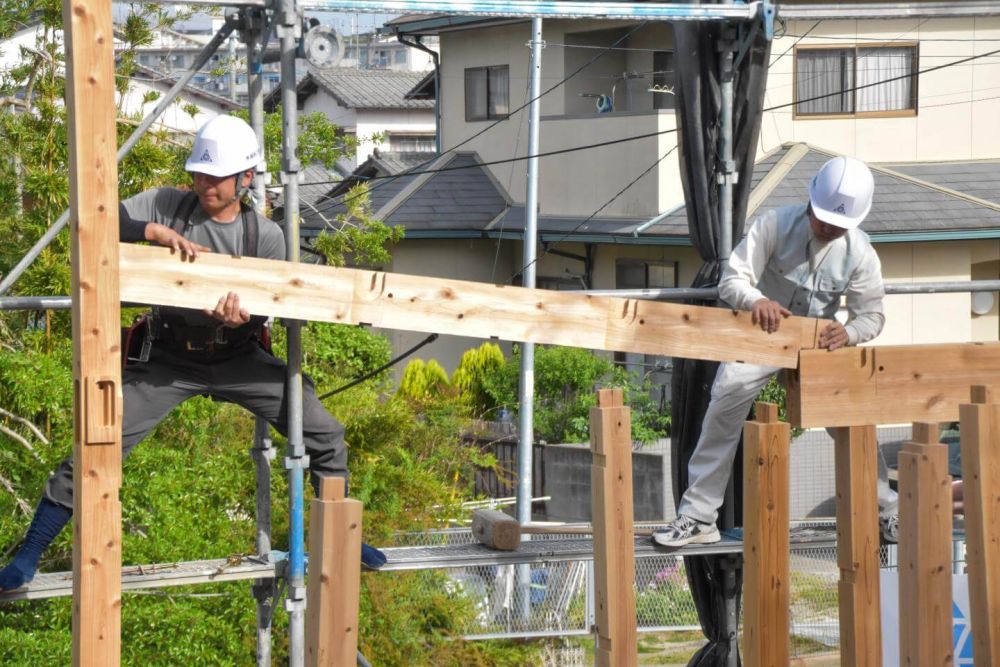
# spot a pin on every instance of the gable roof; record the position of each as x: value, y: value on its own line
x: 151, y: 77
x: 358, y: 88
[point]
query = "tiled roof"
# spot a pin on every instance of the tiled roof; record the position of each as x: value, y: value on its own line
x: 369, y: 88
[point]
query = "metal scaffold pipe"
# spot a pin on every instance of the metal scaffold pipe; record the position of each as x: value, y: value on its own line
x: 565, y: 9
x: 168, y: 99
x: 289, y: 28
x: 526, y: 383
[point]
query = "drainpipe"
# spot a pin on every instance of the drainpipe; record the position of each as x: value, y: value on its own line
x: 437, y: 86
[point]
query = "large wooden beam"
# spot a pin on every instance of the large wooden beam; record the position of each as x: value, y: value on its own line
x: 766, y: 539
x: 614, y: 544
x: 925, y: 600
x: 97, y: 404
x: 981, y: 494
x: 434, y: 305
x: 856, y: 454
x: 889, y: 384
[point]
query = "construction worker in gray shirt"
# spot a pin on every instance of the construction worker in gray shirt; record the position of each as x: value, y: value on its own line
x: 215, y: 352
x: 797, y: 260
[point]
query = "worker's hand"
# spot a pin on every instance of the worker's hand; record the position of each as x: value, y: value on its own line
x: 165, y: 236
x: 768, y: 314
x: 228, y: 311
x: 834, y: 336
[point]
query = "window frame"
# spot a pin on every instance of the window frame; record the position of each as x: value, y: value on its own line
x: 486, y: 71
x: 901, y: 113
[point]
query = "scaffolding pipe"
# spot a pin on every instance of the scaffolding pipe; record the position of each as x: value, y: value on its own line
x: 256, y: 37
x: 289, y: 32
x: 664, y: 294
x: 561, y: 9
x: 526, y: 384
x: 133, y: 139
x: 263, y: 589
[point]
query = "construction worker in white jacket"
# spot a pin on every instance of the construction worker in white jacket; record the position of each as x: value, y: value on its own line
x: 794, y: 260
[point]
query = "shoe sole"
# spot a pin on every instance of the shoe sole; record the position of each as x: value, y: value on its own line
x: 710, y: 538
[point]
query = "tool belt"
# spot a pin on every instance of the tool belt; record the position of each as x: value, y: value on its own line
x: 174, y: 334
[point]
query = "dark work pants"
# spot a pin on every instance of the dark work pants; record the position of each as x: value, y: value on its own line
x: 254, y: 380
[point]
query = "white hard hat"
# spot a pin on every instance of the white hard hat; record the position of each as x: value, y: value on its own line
x: 841, y: 192
x: 225, y: 145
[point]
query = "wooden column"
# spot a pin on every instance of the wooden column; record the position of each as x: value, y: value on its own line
x: 97, y: 404
x: 925, y: 614
x: 858, y: 546
x: 981, y: 493
x: 766, y: 622
x: 334, y: 582
x: 614, y: 544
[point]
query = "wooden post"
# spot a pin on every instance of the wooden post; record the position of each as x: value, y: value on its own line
x: 925, y: 614
x: 614, y: 544
x: 766, y: 539
x: 981, y: 494
x: 858, y: 546
x: 334, y: 582
x: 97, y: 404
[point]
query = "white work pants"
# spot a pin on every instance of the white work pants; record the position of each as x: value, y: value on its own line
x: 734, y: 390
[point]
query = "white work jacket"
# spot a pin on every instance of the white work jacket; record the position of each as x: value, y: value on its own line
x: 781, y: 260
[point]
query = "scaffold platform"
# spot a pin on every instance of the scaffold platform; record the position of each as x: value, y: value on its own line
x: 444, y: 556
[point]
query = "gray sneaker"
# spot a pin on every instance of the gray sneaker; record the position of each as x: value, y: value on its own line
x: 685, y: 530
x: 889, y: 525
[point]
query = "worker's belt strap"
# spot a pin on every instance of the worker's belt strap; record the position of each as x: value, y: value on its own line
x: 179, y: 336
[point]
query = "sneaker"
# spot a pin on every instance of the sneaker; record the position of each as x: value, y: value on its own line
x: 685, y: 530
x: 371, y: 558
x: 889, y: 525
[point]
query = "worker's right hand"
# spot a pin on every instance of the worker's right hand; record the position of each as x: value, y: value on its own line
x: 768, y: 314
x: 167, y: 237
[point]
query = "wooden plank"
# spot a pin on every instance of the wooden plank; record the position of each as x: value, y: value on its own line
x: 856, y: 452
x: 614, y: 544
x: 334, y: 582
x: 925, y: 522
x: 766, y: 622
x: 890, y: 384
x: 463, y: 308
x: 981, y: 493
x: 97, y: 404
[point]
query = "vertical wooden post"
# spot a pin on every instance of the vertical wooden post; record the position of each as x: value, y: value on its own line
x: 856, y: 450
x: 925, y: 615
x: 614, y: 543
x: 97, y: 404
x: 334, y: 582
x: 766, y: 539
x: 981, y: 493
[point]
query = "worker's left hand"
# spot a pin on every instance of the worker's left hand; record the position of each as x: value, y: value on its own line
x: 228, y: 311
x: 834, y: 336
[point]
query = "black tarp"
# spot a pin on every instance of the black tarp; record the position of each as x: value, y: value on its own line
x: 698, y: 104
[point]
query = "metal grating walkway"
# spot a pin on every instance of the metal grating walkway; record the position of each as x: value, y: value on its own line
x: 537, y: 551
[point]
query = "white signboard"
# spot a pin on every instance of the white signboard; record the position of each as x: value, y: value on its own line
x: 962, y: 634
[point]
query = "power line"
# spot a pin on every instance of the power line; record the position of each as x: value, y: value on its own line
x: 778, y: 107
x: 593, y: 215
x: 517, y: 110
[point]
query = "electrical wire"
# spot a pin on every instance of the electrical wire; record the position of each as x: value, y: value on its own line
x: 517, y: 110
x: 593, y: 215
x: 389, y: 364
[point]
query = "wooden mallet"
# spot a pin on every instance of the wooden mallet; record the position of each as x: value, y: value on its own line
x: 496, y: 530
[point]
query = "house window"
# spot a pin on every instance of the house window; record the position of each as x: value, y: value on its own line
x: 487, y: 92
x: 399, y: 57
x: 642, y: 274
x: 419, y: 143
x: 663, y: 79
x: 856, y: 80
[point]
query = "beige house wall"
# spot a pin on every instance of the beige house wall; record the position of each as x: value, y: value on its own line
x: 957, y: 107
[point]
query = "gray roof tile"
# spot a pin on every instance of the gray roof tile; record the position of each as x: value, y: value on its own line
x: 369, y: 88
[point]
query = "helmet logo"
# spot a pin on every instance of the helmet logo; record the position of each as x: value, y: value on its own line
x: 840, y: 209
x: 206, y: 157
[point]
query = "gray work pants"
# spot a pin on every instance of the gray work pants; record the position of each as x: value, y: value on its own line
x: 734, y: 390
x: 253, y: 379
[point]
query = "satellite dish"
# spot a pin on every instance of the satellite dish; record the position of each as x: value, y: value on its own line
x: 323, y: 46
